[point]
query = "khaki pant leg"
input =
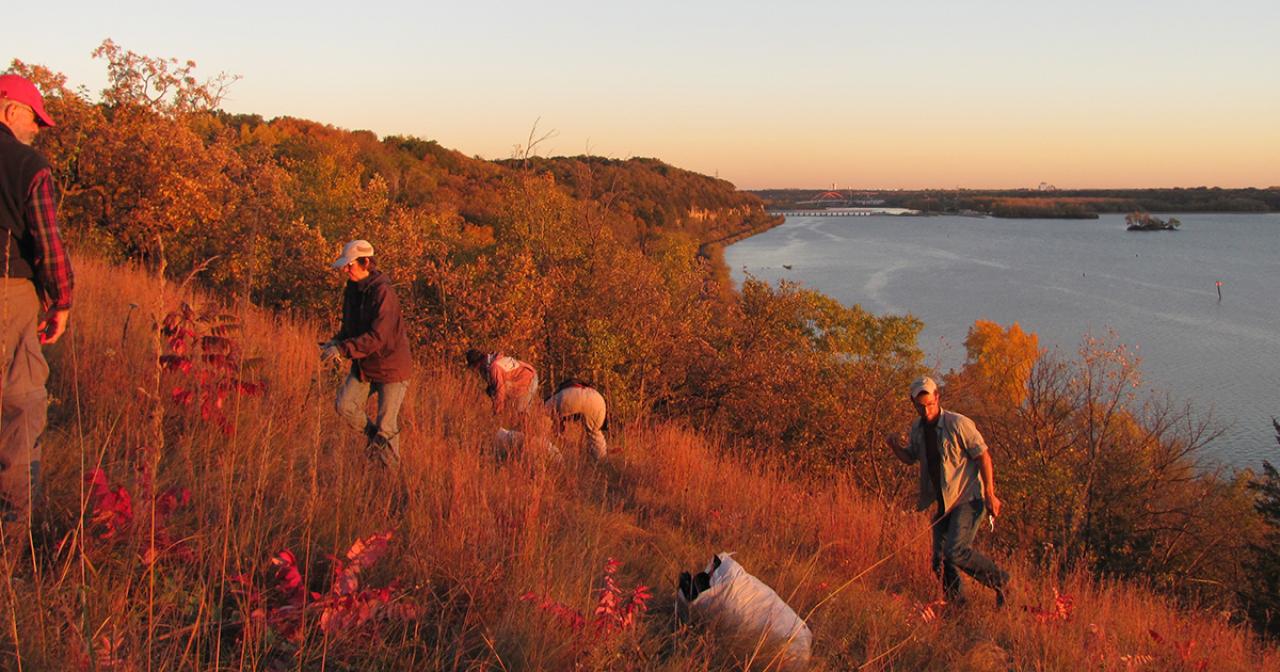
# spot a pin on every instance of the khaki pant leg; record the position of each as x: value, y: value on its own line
x: 25, y: 401
x: 593, y: 414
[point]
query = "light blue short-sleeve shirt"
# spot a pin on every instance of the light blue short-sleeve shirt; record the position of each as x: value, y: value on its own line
x: 960, y: 445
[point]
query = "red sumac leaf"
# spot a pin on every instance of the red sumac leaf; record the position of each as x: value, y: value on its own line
x: 250, y: 389
x: 175, y: 363
x: 215, y: 345
x: 182, y: 397
x: 172, y: 499
x: 365, y: 552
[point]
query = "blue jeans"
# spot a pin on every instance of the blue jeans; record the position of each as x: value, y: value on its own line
x: 953, y: 535
x: 383, y: 431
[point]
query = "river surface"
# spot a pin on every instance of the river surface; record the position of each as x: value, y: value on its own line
x: 1063, y: 279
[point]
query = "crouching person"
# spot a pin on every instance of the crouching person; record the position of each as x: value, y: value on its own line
x: 511, y: 383
x: 578, y: 400
x: 374, y: 338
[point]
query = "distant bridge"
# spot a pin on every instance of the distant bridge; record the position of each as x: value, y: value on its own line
x: 845, y: 212
x: 836, y: 199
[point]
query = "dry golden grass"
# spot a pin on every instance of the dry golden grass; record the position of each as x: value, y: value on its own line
x: 473, y: 533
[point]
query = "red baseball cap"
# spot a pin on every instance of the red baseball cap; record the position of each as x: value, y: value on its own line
x: 15, y: 87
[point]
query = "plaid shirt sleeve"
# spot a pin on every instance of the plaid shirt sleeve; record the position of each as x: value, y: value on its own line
x: 53, y: 268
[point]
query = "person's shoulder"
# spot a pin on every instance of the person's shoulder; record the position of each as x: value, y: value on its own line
x: 962, y: 424
x: 957, y: 419
x: 380, y: 283
x: 29, y: 159
x: 9, y: 143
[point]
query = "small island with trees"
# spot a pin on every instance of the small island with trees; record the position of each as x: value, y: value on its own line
x: 1141, y: 221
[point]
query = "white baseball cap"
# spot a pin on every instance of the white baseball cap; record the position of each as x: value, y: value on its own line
x: 354, y: 250
x: 923, y: 384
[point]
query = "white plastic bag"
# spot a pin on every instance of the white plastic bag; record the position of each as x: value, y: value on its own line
x: 508, y: 442
x: 741, y: 608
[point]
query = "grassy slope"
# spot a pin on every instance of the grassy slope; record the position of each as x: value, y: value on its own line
x: 472, y: 534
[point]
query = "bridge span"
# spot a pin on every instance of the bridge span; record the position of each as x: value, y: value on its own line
x: 845, y: 212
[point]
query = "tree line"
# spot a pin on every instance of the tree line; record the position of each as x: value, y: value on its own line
x: 1058, y: 204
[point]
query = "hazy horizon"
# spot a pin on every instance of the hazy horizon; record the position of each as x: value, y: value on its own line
x: 933, y: 95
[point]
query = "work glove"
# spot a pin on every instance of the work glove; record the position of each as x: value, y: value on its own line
x: 329, y: 353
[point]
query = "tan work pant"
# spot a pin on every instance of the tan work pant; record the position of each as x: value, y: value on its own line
x: 25, y: 402
x: 587, y: 404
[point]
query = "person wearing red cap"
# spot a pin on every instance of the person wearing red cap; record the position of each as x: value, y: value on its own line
x: 35, y: 296
x: 956, y: 475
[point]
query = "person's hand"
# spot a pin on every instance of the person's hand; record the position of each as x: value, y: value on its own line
x: 994, y: 505
x: 894, y: 439
x: 330, y: 352
x: 53, y: 325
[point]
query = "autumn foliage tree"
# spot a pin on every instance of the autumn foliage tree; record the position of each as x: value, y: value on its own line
x: 805, y: 377
x: 1096, y: 474
x: 1262, y: 589
x: 998, y: 364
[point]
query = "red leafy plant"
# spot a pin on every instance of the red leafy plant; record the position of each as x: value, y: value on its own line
x: 1171, y: 654
x: 344, y: 609
x: 932, y: 612
x: 104, y: 655
x: 110, y: 509
x: 928, y: 613
x: 111, y: 514
x: 1183, y: 649
x: 617, y: 609
x: 206, y: 359
x: 1061, y: 609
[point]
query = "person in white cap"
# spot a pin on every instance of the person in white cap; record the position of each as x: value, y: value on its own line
x: 35, y: 292
x: 374, y: 338
x: 956, y: 476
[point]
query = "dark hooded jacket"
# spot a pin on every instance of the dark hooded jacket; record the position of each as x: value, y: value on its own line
x: 373, y: 332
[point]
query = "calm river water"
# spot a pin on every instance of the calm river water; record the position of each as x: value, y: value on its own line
x: 1063, y: 279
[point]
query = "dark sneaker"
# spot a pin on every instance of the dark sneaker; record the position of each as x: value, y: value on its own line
x: 1004, y: 595
x: 382, y: 452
